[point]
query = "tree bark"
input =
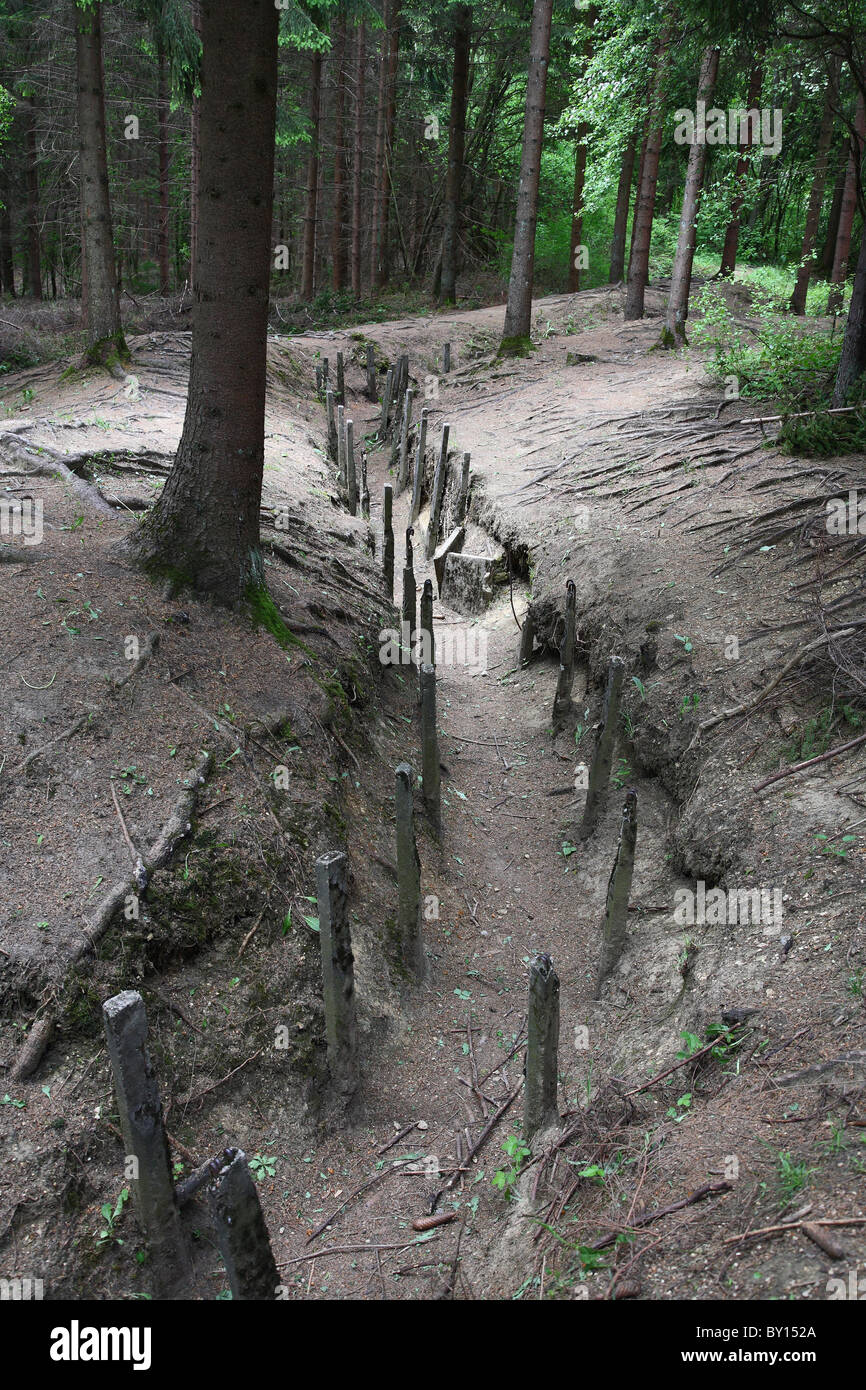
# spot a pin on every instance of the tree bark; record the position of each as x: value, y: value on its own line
x: 456, y: 153
x: 7, y: 265
x: 357, y: 164
x: 825, y: 261
x: 34, y: 261
x: 816, y: 196
x: 194, y: 162
x: 338, y: 230
x: 853, y: 359
x: 847, y: 210
x: 204, y: 529
x: 677, y: 310
x: 162, y: 124
x: 638, y: 265
x: 732, y: 235
x: 308, y: 264
x: 577, y: 208
x: 518, y: 310
x: 381, y: 267
x: 102, y: 305
x: 620, y: 220
x: 379, y: 174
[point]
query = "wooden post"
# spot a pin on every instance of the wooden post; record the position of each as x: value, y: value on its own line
x: 241, y: 1233
x: 386, y: 403
x: 351, y: 479
x: 408, y: 875
x: 372, y: 392
x: 148, y: 1170
x: 615, y: 925
x: 599, y: 773
x: 419, y: 468
x: 338, y: 971
x: 388, y: 540
x: 332, y: 426
x: 430, y: 746
x: 341, y: 444
x: 341, y: 380
x: 542, y: 1046
x: 438, y: 492
x: 446, y: 358
x: 318, y: 380
x: 410, y: 592
x: 326, y: 380
x: 463, y: 494
x: 428, y: 641
x: 562, y: 699
x: 365, y: 491
x: 403, y: 467
x: 527, y: 640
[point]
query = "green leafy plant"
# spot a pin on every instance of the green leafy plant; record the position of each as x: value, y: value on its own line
x: 505, y: 1178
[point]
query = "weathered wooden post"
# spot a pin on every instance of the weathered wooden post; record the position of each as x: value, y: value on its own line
x: 438, y: 492
x: 463, y: 494
x: 408, y: 875
x: 446, y: 358
x: 365, y: 491
x: 403, y: 467
x: 615, y: 925
x: 148, y: 1164
x: 338, y: 972
x: 428, y: 641
x: 430, y: 746
x: 410, y: 592
x: 318, y: 379
x: 341, y: 444
x: 419, y: 468
x: 599, y: 772
x: 341, y: 379
x: 542, y: 1047
x: 326, y: 379
x: 332, y: 426
x: 562, y: 699
x: 386, y: 403
x: 388, y: 540
x: 241, y: 1233
x: 351, y: 478
x: 527, y: 639
x: 372, y: 393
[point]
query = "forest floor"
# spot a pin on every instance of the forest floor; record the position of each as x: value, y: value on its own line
x: 595, y: 458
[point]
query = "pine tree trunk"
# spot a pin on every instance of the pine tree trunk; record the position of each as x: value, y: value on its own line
x: 518, y: 310
x: 577, y: 208
x: 853, y: 359
x: 204, y: 529
x: 338, y: 230
x: 308, y: 264
x: 456, y: 153
x: 162, y: 122
x: 194, y: 163
x: 357, y: 163
x: 34, y: 261
x: 640, y: 168
x: 382, y: 265
x: 379, y: 171
x: 825, y: 262
x: 847, y: 210
x: 816, y: 196
x: 732, y: 235
x: 620, y: 220
x: 104, y: 330
x: 642, y: 226
x: 677, y: 310
x: 7, y: 265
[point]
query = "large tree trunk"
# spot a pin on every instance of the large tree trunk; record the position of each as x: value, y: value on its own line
x: 518, y: 310
x: 816, y: 196
x: 677, y: 310
x: 848, y: 208
x: 638, y: 264
x: 308, y: 264
x: 379, y: 171
x: 853, y: 359
x: 7, y: 265
x: 456, y: 153
x: 620, y: 220
x: 338, y: 230
x: 34, y: 261
x: 194, y: 162
x: 162, y: 121
x: 732, y: 235
x: 204, y: 529
x: 357, y: 164
x: 104, y: 330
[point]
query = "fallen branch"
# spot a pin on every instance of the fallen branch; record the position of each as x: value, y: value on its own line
x: 848, y: 1059
x: 793, y: 1226
x: 712, y: 1189
x: 789, y: 665
x: 809, y: 762
x: 484, y: 1135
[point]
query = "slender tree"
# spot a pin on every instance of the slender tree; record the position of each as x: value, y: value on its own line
x: 462, y: 21
x: 744, y: 163
x: 816, y: 195
x: 638, y: 265
x: 848, y: 208
x: 358, y: 162
x: 338, y: 228
x: 518, y: 310
x: 852, y: 362
x: 312, y: 191
x: 204, y: 529
x: 620, y: 220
